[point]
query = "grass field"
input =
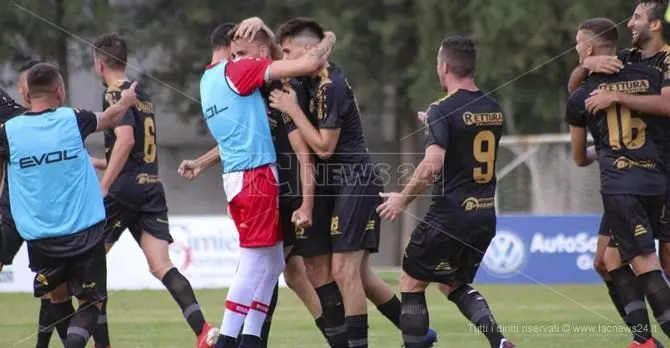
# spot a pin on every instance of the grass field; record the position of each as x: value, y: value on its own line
x: 532, y: 316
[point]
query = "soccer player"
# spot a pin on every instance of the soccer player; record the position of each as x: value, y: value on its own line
x: 291, y: 202
x: 462, y: 137
x: 134, y: 194
x: 632, y: 176
x: 55, y: 198
x: 595, y: 37
x: 51, y: 314
x: 334, y: 132
x: 236, y: 116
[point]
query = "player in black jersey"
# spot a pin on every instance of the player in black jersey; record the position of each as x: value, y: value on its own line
x: 296, y: 195
x: 346, y: 194
x: 463, y: 131
x: 597, y: 36
x: 135, y: 198
x: 633, y: 183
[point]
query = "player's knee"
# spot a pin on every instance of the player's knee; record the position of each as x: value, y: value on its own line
x: 60, y: 294
x: 318, y: 271
x: 409, y: 284
x: 295, y: 275
x: 346, y: 270
x: 275, y: 266
x: 645, y: 263
x: 446, y: 289
x: 600, y: 267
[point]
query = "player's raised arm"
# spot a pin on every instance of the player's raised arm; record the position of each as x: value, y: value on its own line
x: 191, y: 169
x: 306, y: 65
x: 321, y: 141
x: 110, y: 117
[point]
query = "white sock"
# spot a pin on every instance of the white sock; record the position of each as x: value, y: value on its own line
x: 248, y: 276
x: 253, y: 324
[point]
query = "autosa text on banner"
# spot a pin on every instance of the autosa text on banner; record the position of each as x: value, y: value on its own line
x: 544, y: 249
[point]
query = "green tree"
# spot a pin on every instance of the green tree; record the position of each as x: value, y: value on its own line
x: 48, y: 30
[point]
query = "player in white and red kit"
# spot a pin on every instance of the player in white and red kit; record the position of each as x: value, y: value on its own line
x: 236, y: 117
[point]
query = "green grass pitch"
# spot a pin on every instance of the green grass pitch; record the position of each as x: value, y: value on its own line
x: 531, y: 316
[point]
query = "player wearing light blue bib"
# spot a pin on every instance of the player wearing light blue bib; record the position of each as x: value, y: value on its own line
x: 55, y: 197
x: 237, y: 118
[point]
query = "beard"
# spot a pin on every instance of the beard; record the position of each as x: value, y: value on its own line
x: 641, y: 39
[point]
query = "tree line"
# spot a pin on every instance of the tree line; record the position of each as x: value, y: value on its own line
x: 387, y: 48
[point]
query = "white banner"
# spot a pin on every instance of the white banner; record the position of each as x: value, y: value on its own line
x: 205, y: 249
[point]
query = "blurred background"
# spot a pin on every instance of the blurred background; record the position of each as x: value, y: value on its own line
x: 387, y: 49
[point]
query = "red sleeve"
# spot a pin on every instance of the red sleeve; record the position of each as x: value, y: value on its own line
x: 247, y: 74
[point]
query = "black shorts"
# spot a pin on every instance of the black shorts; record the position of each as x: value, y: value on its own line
x: 604, y: 229
x: 288, y: 228
x: 355, y: 223
x: 315, y: 240
x: 634, y: 221
x: 85, y: 274
x: 436, y: 255
x: 120, y: 217
x: 10, y: 240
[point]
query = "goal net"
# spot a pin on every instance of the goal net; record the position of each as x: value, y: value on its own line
x: 536, y: 175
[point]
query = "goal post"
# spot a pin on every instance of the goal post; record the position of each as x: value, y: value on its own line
x: 536, y: 175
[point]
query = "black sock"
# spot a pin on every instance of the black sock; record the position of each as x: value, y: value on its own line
x: 83, y: 323
x: 391, y: 310
x: 658, y: 295
x: 414, y: 319
x: 357, y: 330
x: 321, y: 324
x: 618, y: 304
x: 616, y: 299
x: 632, y: 297
x: 101, y: 334
x: 249, y: 341
x: 181, y: 291
x: 226, y: 342
x: 61, y: 314
x: 474, y: 307
x: 333, y: 313
x: 44, y: 324
x: 265, y: 331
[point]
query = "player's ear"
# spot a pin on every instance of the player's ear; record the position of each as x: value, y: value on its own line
x: 60, y: 93
x: 656, y: 25
x: 265, y: 51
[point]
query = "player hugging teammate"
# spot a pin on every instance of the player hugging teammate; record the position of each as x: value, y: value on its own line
x: 625, y: 104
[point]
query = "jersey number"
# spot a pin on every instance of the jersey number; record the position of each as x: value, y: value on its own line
x: 623, y: 137
x: 484, y: 151
x: 149, y: 140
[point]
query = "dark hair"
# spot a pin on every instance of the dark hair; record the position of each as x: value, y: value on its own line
x: 43, y: 79
x: 657, y: 10
x: 112, y: 50
x: 27, y: 65
x: 460, y: 54
x: 602, y: 29
x: 298, y: 27
x: 219, y: 37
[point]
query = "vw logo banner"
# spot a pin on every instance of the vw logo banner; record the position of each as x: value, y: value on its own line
x: 542, y: 249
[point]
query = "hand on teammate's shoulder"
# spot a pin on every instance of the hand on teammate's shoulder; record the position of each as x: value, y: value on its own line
x: 129, y: 96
